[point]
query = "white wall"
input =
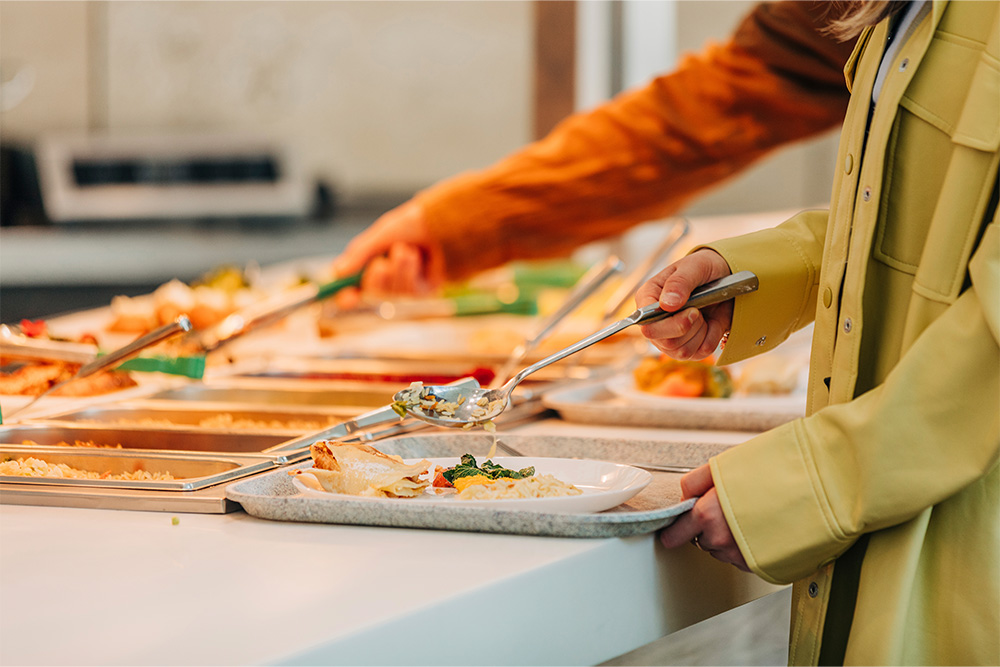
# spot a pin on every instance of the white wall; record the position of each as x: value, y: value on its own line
x: 373, y: 95
x: 43, y: 57
x: 655, y: 34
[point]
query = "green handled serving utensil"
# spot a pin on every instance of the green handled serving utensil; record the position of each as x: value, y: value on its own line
x: 267, y: 312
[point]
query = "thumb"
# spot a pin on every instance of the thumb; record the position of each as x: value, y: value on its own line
x: 697, y: 482
x: 693, y: 271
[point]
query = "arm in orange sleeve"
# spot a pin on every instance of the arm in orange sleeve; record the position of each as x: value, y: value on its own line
x: 646, y: 153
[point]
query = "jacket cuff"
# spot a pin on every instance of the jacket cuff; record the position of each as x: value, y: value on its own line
x: 785, y: 301
x: 779, y: 552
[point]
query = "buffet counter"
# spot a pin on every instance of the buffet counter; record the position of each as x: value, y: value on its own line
x: 121, y: 587
x: 223, y: 585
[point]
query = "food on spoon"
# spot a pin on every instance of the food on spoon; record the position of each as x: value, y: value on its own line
x: 664, y: 376
x: 362, y: 470
x: 421, y: 400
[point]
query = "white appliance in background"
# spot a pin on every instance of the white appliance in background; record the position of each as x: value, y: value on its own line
x: 119, y: 177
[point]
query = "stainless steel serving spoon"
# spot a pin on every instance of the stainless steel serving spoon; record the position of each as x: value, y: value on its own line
x: 453, y: 406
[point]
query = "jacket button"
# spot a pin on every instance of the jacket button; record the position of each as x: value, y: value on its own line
x: 848, y: 164
x: 903, y: 65
x: 848, y: 325
x: 827, y: 297
x: 866, y: 194
x: 813, y: 589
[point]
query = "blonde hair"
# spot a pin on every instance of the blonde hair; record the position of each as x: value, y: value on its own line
x: 854, y: 16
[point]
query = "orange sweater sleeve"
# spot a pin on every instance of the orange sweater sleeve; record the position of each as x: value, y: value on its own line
x: 645, y: 154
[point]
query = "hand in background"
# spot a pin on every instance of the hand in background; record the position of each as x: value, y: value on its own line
x: 692, y: 334
x: 704, y: 525
x: 398, y: 256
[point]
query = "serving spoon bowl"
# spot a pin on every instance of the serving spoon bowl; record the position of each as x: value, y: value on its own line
x: 463, y: 407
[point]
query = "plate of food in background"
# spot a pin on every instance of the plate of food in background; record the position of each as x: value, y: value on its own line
x: 768, y: 384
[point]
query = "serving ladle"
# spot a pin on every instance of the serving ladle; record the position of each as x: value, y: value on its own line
x: 443, y: 405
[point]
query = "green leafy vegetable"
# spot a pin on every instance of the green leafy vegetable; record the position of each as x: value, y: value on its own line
x: 469, y: 468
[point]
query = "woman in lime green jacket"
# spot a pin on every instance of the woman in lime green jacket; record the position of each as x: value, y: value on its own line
x: 882, y: 504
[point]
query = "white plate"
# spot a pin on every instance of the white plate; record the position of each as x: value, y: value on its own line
x: 624, y: 387
x: 604, y: 485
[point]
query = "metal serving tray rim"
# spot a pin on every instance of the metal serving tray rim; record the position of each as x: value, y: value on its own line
x: 169, y: 405
x: 277, y: 451
x: 180, y: 428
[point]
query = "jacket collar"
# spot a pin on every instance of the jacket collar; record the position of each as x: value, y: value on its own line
x: 877, y: 34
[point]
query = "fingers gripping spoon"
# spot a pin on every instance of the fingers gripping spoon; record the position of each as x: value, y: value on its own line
x: 450, y: 406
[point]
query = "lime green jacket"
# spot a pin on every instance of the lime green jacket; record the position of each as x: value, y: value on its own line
x: 882, y: 504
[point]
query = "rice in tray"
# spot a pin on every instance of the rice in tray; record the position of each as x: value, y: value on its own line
x: 32, y: 467
x: 76, y: 443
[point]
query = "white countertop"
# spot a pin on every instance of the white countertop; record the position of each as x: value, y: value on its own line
x: 128, y: 588
x: 110, y: 587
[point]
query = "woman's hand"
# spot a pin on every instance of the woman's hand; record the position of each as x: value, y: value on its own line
x: 692, y: 334
x: 397, y: 253
x: 705, y: 525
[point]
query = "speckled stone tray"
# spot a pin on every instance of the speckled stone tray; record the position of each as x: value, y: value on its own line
x: 273, y: 496
x: 594, y: 404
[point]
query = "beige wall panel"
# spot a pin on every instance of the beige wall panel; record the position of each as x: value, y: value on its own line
x: 46, y: 42
x: 375, y: 96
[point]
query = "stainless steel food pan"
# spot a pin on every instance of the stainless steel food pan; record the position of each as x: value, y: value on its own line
x: 190, y: 471
x: 169, y: 440
x: 347, y: 395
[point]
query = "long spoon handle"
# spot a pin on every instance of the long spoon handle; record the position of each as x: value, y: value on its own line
x: 111, y: 359
x: 723, y: 289
x: 588, y: 284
